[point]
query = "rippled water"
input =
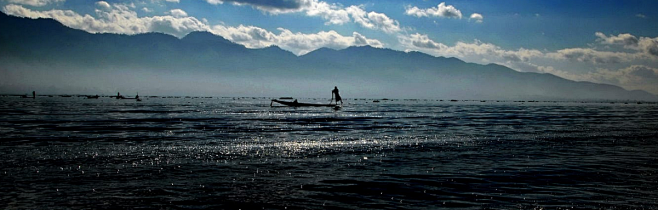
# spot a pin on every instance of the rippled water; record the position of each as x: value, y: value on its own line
x: 226, y: 153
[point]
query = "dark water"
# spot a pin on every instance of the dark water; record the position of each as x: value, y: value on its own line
x: 221, y: 153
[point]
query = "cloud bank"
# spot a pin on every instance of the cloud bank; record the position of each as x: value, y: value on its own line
x: 333, y: 14
x: 120, y: 18
x: 632, y: 76
x: 647, y: 45
x: 116, y: 18
x: 297, y: 43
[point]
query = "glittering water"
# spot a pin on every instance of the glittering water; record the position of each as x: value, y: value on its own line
x: 226, y: 153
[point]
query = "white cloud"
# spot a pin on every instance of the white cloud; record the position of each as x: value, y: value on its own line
x: 476, y: 50
x: 643, y: 49
x: 249, y: 36
x: 304, y: 43
x: 373, y: 20
x: 649, y: 46
x: 297, y: 43
x: 18, y: 10
x: 337, y: 15
x: 593, y: 56
x: 531, y: 67
x: 634, y: 77
x: 333, y: 14
x: 34, y: 3
x: 639, y: 75
x: 441, y: 10
x: 627, y: 40
x: 420, y: 42
x: 103, y: 4
x: 485, y: 53
x: 214, y: 2
x: 643, y: 77
x: 361, y: 40
x: 116, y: 19
x: 173, y: 1
x: 492, y: 52
x: 383, y: 22
x: 178, y: 13
x: 477, y: 17
x: 646, y: 45
x: 359, y: 16
x: 119, y: 18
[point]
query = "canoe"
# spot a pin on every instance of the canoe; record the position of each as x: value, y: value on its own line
x: 297, y: 104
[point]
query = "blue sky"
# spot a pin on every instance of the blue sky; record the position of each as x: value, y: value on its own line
x: 612, y: 42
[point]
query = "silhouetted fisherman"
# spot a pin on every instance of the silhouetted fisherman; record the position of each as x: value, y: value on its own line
x: 335, y: 92
x: 34, y: 95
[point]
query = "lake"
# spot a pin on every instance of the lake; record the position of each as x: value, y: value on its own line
x: 240, y: 153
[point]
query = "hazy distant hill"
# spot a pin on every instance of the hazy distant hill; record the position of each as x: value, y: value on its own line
x: 43, y: 54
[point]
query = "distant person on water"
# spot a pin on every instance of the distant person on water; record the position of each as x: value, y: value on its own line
x: 335, y: 92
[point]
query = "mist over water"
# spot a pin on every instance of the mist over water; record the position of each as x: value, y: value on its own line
x: 240, y: 153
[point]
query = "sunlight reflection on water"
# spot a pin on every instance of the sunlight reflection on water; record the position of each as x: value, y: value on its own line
x: 223, y: 153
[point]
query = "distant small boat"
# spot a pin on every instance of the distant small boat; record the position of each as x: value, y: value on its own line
x: 119, y: 96
x: 297, y: 104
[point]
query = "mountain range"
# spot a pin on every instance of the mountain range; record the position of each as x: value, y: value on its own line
x: 46, y: 56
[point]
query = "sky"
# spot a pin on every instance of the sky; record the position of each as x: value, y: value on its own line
x: 608, y: 41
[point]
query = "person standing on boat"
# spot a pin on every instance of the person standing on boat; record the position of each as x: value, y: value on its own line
x: 335, y: 92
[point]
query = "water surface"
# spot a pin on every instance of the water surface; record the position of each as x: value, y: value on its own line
x: 240, y: 153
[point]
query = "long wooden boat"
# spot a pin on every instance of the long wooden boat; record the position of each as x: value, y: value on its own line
x: 297, y: 104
